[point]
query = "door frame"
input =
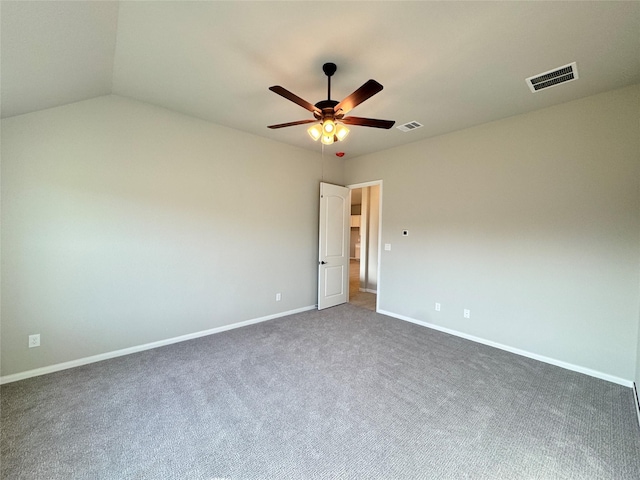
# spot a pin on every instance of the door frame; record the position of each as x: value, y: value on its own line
x: 371, y: 184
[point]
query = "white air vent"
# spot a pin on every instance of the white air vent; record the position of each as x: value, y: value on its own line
x: 553, y: 77
x: 407, y: 127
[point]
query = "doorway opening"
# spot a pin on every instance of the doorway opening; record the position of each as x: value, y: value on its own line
x: 364, y: 245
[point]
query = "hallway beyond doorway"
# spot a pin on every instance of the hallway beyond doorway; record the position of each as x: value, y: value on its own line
x: 356, y: 297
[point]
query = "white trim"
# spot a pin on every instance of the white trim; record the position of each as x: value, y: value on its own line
x: 140, y: 348
x: 517, y: 351
x: 368, y: 290
x: 365, y: 184
x: 636, y: 399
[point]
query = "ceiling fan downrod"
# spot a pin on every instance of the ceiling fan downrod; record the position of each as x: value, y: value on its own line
x: 329, y: 69
x: 326, y: 106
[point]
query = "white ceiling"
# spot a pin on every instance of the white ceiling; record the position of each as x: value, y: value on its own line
x: 447, y: 65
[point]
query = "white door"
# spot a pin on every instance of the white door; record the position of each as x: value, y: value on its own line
x: 333, y: 269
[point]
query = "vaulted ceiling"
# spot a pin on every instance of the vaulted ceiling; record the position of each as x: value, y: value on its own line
x: 447, y: 65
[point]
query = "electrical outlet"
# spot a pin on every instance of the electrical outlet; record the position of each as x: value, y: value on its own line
x: 437, y: 307
x: 467, y: 313
x: 278, y: 297
x: 34, y: 340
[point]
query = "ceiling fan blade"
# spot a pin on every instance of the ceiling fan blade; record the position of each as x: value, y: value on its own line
x: 294, y: 98
x: 368, y: 122
x: 368, y: 90
x: 291, y: 124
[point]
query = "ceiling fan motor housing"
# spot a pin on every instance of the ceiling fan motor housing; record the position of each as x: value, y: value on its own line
x: 327, y: 108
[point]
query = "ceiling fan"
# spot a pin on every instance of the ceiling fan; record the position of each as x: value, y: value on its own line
x: 329, y: 115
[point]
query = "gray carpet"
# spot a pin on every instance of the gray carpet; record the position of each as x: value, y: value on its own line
x: 343, y: 393
x: 356, y: 297
x: 363, y: 300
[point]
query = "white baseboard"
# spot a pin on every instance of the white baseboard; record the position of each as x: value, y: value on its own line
x: 517, y: 351
x: 368, y: 290
x: 636, y: 397
x: 147, y: 346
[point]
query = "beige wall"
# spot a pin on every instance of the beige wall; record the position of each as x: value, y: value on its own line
x: 372, y: 195
x: 125, y: 224
x: 637, y: 378
x: 532, y: 223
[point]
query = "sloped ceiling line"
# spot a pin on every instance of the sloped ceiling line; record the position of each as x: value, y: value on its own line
x: 447, y: 65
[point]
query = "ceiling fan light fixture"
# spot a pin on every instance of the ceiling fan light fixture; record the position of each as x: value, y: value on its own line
x: 315, y: 132
x: 327, y: 139
x: 328, y: 127
x: 341, y: 132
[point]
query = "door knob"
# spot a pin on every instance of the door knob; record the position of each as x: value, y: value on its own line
x: 323, y: 262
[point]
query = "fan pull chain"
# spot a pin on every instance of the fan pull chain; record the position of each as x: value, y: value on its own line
x: 322, y: 163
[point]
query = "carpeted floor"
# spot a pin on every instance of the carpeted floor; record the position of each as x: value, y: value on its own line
x: 341, y: 393
x: 356, y: 297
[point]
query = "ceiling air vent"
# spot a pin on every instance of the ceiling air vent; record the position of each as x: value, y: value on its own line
x: 553, y: 77
x: 407, y: 127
